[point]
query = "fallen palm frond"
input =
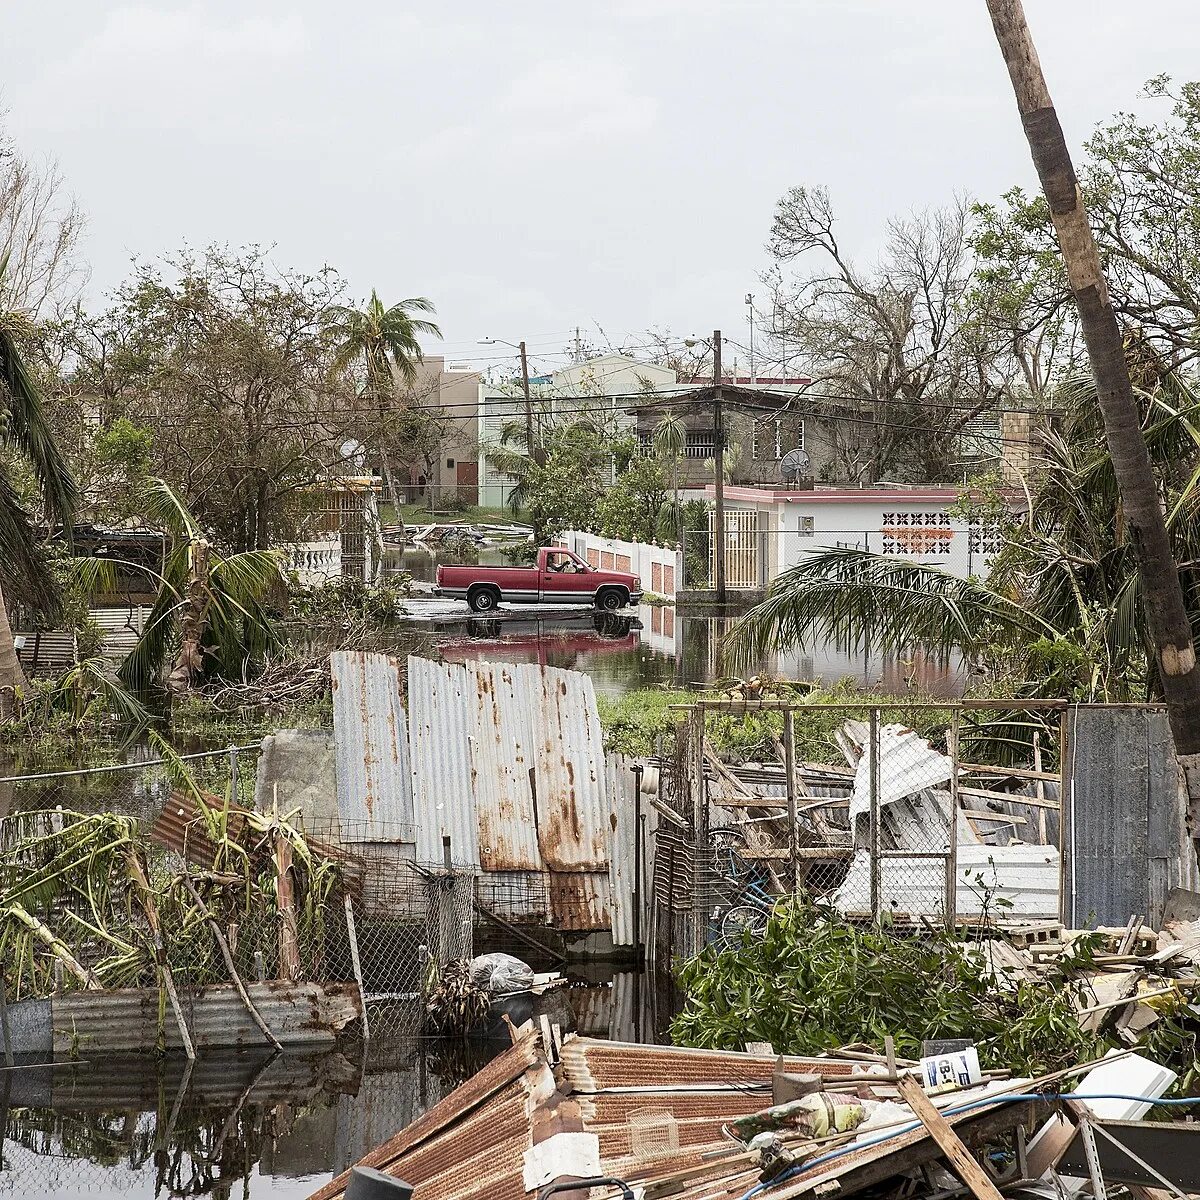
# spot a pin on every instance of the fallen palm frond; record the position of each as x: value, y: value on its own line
x: 74, y: 889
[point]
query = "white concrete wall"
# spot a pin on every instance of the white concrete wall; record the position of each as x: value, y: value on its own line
x: 316, y: 562
x: 906, y: 527
x: 660, y: 568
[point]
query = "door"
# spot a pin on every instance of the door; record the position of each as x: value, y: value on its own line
x: 467, y: 480
x: 565, y: 579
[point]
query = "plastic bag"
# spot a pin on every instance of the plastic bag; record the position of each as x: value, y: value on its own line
x: 500, y: 974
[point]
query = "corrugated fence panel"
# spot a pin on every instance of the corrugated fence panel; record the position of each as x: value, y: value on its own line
x: 622, y: 847
x: 573, y: 816
x: 374, y: 779
x: 440, y: 723
x: 502, y: 757
x: 1126, y: 841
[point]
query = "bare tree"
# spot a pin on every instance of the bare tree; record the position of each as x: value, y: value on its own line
x: 900, y: 360
x: 40, y: 227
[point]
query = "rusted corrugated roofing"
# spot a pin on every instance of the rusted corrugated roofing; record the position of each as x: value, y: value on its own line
x: 128, y: 1018
x: 374, y: 779
x: 573, y: 817
x: 579, y: 900
x: 503, y: 756
x: 503, y: 1076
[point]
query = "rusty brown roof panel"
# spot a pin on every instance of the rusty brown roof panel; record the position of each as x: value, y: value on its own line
x: 573, y: 813
x: 591, y: 1065
x: 503, y: 757
x: 579, y: 900
x: 472, y: 1095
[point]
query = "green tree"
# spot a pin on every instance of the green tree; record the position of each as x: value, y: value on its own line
x: 226, y: 361
x: 27, y: 451
x: 632, y: 508
x: 670, y: 444
x: 376, y: 339
x: 210, y: 618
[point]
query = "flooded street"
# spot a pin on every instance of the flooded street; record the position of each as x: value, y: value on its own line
x: 658, y: 645
x: 250, y: 1125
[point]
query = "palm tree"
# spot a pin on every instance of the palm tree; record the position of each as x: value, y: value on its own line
x: 382, y: 338
x: 209, y: 616
x: 670, y: 443
x: 25, y: 435
x: 1062, y: 609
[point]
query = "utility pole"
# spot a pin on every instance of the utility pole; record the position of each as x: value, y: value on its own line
x: 750, y: 312
x: 534, y: 448
x: 719, y: 481
x: 1166, y: 615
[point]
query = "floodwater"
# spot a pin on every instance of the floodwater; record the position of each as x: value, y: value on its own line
x: 250, y: 1125
x: 660, y: 646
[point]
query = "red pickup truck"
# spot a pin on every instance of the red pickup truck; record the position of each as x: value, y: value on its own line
x: 559, y: 578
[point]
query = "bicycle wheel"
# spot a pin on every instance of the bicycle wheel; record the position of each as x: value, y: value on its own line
x: 741, y: 920
x: 727, y: 846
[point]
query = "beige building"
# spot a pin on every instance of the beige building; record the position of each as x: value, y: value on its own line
x: 449, y: 463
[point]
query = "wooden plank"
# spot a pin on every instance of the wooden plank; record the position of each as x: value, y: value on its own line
x: 1008, y: 797
x: 959, y: 1157
x: 986, y: 814
x: 1013, y: 772
x: 817, y: 852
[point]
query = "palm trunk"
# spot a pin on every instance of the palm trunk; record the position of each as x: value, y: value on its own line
x: 12, y: 678
x: 1166, y: 616
x: 189, y: 661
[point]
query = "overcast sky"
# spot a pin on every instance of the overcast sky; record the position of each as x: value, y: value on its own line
x: 536, y: 166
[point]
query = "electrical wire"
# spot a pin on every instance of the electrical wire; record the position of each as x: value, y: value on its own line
x: 1001, y: 1098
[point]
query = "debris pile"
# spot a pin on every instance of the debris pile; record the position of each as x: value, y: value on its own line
x: 609, y: 1120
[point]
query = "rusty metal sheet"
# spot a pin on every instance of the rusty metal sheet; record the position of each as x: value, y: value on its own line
x: 502, y: 763
x: 579, y: 900
x: 622, y: 846
x: 573, y: 817
x: 441, y: 1124
x: 128, y: 1018
x: 374, y: 778
x: 440, y: 723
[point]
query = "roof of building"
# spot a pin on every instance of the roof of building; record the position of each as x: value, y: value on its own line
x: 918, y: 494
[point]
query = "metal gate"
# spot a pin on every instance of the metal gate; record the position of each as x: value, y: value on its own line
x: 741, y: 548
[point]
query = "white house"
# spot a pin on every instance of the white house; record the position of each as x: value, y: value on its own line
x: 769, y: 530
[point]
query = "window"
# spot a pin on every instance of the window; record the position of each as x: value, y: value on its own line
x: 449, y: 464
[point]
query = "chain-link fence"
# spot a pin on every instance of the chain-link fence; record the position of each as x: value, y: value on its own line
x: 364, y: 912
x: 915, y: 814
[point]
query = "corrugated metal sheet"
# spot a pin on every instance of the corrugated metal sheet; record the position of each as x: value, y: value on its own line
x: 1025, y: 875
x: 579, y: 900
x: 503, y: 755
x: 573, y: 818
x: 440, y: 724
x: 907, y: 764
x: 128, y: 1018
x: 622, y: 847
x: 1126, y: 795
x: 374, y: 779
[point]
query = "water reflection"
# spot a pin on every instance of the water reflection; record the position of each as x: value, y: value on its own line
x: 663, y: 645
x: 257, y: 1126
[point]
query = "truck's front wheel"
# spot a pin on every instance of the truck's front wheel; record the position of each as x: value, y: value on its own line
x: 483, y: 599
x: 610, y: 599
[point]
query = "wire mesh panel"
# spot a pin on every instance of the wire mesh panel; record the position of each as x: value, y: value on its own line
x: 908, y: 813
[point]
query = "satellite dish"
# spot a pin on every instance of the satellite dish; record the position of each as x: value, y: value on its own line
x: 795, y: 466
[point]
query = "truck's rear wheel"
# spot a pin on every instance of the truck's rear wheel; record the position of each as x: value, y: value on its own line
x: 610, y: 599
x: 483, y: 599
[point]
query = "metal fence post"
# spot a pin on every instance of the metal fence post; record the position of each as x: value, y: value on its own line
x: 873, y: 770
x: 233, y: 773
x: 952, y: 848
x: 789, y: 766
